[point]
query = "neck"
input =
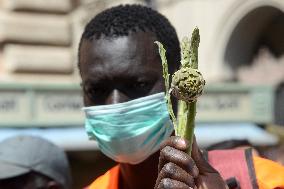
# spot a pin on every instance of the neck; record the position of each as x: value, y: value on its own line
x: 140, y: 176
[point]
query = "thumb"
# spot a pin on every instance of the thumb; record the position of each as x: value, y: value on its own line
x: 200, y: 161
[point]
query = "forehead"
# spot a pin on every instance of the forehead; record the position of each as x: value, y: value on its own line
x: 137, y: 49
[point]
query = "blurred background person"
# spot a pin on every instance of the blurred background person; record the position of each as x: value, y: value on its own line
x: 29, y: 162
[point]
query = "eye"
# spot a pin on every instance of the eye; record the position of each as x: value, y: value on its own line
x: 139, y: 88
x: 95, y: 91
x: 140, y: 85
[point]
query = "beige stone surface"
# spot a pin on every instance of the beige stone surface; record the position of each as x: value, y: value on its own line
x: 37, y: 78
x: 35, y: 28
x: 1, y: 62
x: 216, y: 20
x: 24, y: 58
x: 61, y: 6
x: 266, y: 69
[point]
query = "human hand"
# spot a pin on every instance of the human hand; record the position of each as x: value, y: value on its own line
x: 178, y: 170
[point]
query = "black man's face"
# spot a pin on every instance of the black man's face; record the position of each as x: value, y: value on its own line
x: 120, y: 69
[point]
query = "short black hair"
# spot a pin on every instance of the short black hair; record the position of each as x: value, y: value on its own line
x: 125, y: 19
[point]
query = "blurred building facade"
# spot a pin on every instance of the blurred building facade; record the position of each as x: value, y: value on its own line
x: 40, y: 40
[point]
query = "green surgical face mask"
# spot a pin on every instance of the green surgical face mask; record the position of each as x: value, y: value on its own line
x: 132, y: 131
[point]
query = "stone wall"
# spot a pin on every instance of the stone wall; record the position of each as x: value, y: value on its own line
x: 40, y: 39
x: 36, y: 40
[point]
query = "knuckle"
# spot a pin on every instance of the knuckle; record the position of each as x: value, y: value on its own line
x: 169, y: 168
x: 190, y: 181
x: 195, y: 171
x: 191, y: 167
x: 189, y: 161
x: 165, y: 183
x: 166, y: 150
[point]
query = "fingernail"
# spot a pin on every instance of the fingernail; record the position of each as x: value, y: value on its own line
x: 182, y: 141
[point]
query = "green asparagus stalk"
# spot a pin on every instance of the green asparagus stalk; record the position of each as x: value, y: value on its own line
x: 187, y: 85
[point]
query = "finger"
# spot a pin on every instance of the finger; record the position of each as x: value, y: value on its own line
x: 180, y: 158
x: 176, y: 142
x: 172, y: 171
x: 168, y: 183
x: 199, y: 159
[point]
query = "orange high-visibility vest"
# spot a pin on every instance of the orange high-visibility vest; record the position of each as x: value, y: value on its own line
x: 107, y: 181
x: 268, y: 174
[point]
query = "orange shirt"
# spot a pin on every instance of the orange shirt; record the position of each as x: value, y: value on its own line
x: 269, y: 174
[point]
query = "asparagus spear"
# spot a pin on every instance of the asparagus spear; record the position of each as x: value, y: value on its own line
x: 187, y: 85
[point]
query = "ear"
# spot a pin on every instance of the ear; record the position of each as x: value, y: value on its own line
x: 53, y: 185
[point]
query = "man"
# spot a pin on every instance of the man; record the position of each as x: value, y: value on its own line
x: 125, y: 110
x: 29, y: 162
